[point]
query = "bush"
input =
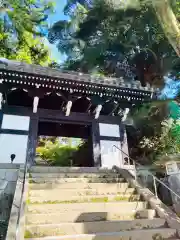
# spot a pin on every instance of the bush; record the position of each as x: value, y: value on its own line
x: 56, y: 154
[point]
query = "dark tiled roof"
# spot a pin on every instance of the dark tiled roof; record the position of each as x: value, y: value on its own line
x: 47, y: 72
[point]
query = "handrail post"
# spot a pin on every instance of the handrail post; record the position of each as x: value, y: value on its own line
x: 135, y: 169
x: 155, y: 187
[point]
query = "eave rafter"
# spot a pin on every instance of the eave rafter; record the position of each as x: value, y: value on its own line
x: 68, y: 108
x: 69, y: 86
x: 97, y: 111
x: 78, y: 87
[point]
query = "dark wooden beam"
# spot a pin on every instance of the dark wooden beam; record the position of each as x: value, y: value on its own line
x: 1, y: 118
x: 12, y: 131
x: 1, y: 100
x: 55, y: 115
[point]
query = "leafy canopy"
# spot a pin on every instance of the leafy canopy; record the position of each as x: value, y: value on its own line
x: 116, y: 38
x: 22, y: 28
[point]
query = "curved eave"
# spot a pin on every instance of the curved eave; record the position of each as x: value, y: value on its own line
x: 47, y: 74
x: 18, y: 78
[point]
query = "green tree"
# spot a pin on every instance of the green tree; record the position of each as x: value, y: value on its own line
x: 155, y: 133
x: 22, y: 25
x: 115, y: 39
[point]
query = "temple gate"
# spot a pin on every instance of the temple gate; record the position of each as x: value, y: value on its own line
x: 77, y: 104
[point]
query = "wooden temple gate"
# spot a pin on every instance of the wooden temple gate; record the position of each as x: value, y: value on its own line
x: 32, y: 96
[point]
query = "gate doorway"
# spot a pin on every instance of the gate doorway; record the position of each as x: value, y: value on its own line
x: 61, y: 143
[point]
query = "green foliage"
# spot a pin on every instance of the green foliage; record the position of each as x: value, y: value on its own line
x: 156, y: 134
x: 166, y: 142
x: 54, y: 153
x: 114, y: 39
x: 21, y: 30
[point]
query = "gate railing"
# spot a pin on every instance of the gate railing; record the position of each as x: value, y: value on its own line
x: 156, y: 180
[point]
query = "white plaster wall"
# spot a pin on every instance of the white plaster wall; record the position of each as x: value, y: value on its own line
x: 109, y: 130
x: 15, y: 122
x: 12, y: 143
x: 110, y: 156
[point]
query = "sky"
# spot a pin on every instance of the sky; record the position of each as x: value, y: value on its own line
x: 56, y: 16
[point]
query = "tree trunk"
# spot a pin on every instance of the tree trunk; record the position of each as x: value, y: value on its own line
x: 169, y: 23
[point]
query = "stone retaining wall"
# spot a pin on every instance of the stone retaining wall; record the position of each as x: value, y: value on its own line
x: 8, y: 180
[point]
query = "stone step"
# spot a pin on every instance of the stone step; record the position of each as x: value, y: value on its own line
x: 80, y: 208
x: 56, y: 218
x: 148, y: 234
x: 81, y: 185
x: 57, y: 180
x: 94, y: 227
x: 57, y: 193
x: 67, y: 198
x: 46, y: 169
x: 74, y: 175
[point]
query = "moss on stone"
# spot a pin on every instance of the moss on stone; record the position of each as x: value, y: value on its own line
x: 27, y: 234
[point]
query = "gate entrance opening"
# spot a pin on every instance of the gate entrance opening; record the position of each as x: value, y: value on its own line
x: 64, y: 144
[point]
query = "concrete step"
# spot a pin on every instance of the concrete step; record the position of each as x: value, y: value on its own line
x: 75, y: 216
x: 148, y: 234
x: 61, y: 198
x: 80, y: 208
x: 57, y: 180
x: 74, y: 175
x: 81, y: 185
x: 57, y: 193
x: 46, y: 169
x: 94, y: 227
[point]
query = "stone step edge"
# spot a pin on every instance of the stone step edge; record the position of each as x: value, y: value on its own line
x: 91, y: 186
x: 78, y: 175
x: 55, y: 218
x: 81, y: 169
x: 122, y: 233
x: 29, y: 213
x: 82, y: 189
x: 84, y: 192
x: 108, y: 221
x: 93, y: 203
x: 137, y: 224
x: 87, y: 199
x: 73, y: 180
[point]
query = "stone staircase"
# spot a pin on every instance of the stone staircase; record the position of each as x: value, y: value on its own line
x: 88, y: 204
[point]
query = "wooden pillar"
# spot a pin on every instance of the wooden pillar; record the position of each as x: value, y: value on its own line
x: 1, y: 118
x: 124, y: 145
x: 96, y: 144
x: 1, y: 112
x: 32, y: 139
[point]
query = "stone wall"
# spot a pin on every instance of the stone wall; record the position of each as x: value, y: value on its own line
x: 8, y: 179
x: 9, y: 175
